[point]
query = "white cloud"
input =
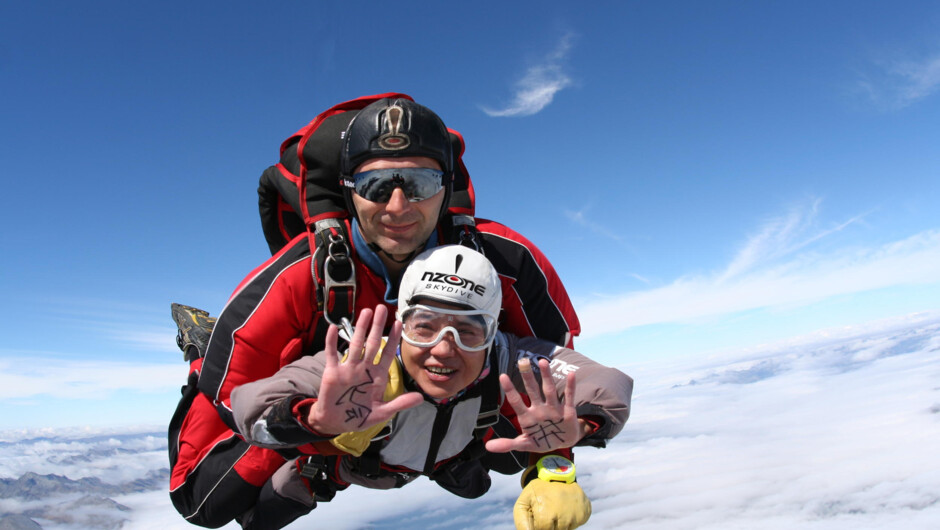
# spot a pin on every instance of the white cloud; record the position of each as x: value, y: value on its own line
x: 774, y: 269
x: 29, y: 377
x: 153, y: 511
x: 899, y: 83
x: 924, y: 79
x: 538, y: 86
x: 580, y: 217
x: 125, y: 325
x: 782, y: 236
x: 156, y: 339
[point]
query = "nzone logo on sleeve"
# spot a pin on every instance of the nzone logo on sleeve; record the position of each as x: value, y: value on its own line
x: 560, y: 369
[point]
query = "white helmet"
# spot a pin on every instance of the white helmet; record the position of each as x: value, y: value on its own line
x: 452, y: 274
x: 457, y: 276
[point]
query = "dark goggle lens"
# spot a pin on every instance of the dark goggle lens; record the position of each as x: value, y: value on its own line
x: 417, y: 184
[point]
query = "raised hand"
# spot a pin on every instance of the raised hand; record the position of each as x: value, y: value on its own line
x: 350, y: 397
x: 546, y: 424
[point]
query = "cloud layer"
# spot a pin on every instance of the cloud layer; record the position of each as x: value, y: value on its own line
x: 830, y: 431
x: 837, y: 434
x: 821, y: 433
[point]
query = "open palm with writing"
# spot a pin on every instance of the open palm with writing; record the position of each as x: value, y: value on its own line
x: 351, y: 390
x: 547, y: 424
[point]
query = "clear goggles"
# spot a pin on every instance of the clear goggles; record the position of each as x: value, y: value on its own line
x: 417, y: 183
x: 425, y: 326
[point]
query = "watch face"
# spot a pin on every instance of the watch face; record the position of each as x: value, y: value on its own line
x: 557, y: 464
x: 553, y: 468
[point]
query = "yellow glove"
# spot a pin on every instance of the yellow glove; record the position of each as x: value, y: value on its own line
x: 356, y: 442
x: 546, y: 505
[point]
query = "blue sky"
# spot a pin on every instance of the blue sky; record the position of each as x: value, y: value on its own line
x: 703, y: 175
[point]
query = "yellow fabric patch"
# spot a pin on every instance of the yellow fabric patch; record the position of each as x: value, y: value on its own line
x: 356, y: 442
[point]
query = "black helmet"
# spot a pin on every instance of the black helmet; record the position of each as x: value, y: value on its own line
x: 396, y: 128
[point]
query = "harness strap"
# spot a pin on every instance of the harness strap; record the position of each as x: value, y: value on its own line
x: 464, y: 231
x: 438, y: 431
x: 490, y: 397
x: 370, y: 463
x: 335, y: 274
x: 488, y: 416
x: 315, y: 469
x: 333, y: 270
x: 490, y: 403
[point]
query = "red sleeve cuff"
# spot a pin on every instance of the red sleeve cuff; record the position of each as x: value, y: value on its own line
x: 593, y: 421
x: 301, y: 411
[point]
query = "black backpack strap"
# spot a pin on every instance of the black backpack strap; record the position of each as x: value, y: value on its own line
x: 333, y: 270
x: 490, y: 398
x: 461, y: 229
x: 490, y: 403
x: 467, y: 475
x: 370, y: 462
x: 438, y: 431
x: 315, y: 469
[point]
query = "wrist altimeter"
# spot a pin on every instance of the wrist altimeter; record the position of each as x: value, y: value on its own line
x: 554, y: 468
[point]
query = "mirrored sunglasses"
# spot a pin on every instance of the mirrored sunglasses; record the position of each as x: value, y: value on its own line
x: 417, y: 183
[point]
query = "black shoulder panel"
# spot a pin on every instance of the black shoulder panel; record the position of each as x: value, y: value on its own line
x: 512, y: 259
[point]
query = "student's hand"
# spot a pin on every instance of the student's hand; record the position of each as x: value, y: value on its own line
x: 551, y: 506
x: 350, y: 397
x: 546, y: 424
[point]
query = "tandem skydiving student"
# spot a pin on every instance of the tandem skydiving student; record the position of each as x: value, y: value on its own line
x: 422, y: 402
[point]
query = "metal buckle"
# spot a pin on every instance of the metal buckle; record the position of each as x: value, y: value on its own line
x: 468, y: 238
x: 337, y: 251
x: 346, y: 328
x: 386, y: 430
x: 488, y: 419
x: 315, y: 470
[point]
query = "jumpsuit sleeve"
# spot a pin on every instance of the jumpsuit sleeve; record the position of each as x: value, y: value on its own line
x: 269, y: 412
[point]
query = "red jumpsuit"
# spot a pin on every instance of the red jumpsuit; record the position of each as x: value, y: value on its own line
x: 272, y: 319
